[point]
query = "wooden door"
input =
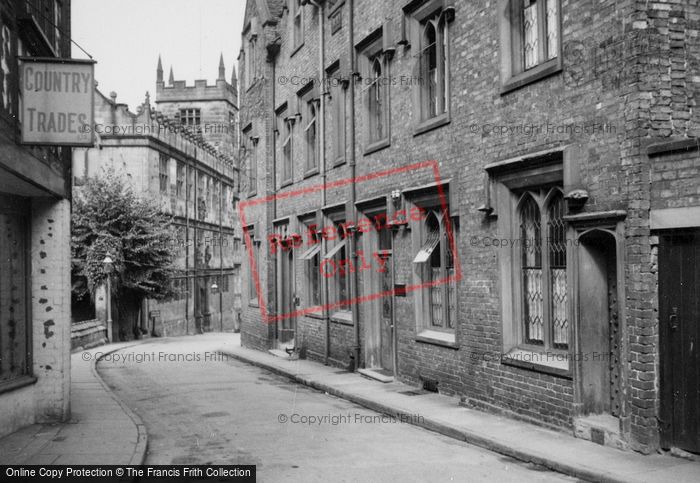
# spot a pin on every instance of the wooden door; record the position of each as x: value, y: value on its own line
x: 387, y: 315
x: 679, y: 319
x: 285, y: 290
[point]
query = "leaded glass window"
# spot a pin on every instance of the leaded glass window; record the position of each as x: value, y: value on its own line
x: 437, y: 255
x: 543, y: 269
x: 286, y: 149
x: 311, y: 138
x: 557, y: 267
x: 539, y: 20
x: 433, y: 60
x: 377, y: 102
x: 552, y: 18
x: 531, y: 259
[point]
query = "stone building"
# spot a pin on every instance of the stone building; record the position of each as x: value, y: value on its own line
x: 210, y: 110
x: 196, y: 182
x: 549, y: 152
x: 34, y: 233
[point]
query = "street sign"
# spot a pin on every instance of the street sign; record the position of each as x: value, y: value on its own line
x: 57, y: 99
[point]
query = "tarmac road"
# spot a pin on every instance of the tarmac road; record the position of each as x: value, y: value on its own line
x: 200, y: 407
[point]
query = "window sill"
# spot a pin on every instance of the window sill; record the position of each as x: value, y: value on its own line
x: 317, y: 314
x: 286, y: 183
x: 552, y: 362
x: 310, y: 173
x: 339, y: 162
x: 14, y: 384
x: 434, y: 337
x: 342, y: 317
x: 535, y: 74
x: 251, y: 194
x: 377, y: 146
x: 432, y: 123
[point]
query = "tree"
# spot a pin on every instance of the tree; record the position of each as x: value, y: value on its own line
x: 108, y: 218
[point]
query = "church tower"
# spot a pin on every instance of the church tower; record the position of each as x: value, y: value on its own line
x: 211, y: 110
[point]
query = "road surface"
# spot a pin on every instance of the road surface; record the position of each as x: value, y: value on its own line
x: 204, y: 408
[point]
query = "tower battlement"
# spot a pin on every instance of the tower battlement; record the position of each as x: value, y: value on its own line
x: 209, y: 109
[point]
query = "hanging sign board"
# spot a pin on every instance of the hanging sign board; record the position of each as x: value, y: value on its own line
x: 57, y: 101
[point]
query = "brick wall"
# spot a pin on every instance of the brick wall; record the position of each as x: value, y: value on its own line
x: 628, y: 79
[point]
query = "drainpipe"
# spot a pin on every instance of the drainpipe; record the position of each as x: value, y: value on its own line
x: 189, y: 171
x: 272, y: 52
x: 353, y: 191
x: 321, y: 115
x: 221, y: 251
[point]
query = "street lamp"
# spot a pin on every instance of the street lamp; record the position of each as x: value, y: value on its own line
x: 215, y: 289
x: 108, y: 264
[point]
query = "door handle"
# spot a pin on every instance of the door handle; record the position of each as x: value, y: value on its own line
x: 673, y: 318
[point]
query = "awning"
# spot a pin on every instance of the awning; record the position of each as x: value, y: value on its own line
x: 334, y: 251
x: 428, y: 247
x: 311, y: 252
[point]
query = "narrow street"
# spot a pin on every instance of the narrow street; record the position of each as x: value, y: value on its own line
x: 200, y: 408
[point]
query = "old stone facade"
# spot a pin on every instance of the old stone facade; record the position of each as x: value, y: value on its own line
x: 549, y: 152
x: 211, y: 110
x: 34, y: 234
x: 197, y: 183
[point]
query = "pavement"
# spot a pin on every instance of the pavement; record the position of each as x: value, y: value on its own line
x: 101, y: 430
x: 555, y: 450
x: 97, y: 412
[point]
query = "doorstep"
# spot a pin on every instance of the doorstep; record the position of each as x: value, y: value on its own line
x: 380, y: 375
x: 279, y: 353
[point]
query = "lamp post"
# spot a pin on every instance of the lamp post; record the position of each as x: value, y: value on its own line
x: 215, y: 290
x: 108, y: 264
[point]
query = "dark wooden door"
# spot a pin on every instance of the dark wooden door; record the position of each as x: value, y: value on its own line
x: 285, y: 281
x: 679, y: 318
x: 387, y: 316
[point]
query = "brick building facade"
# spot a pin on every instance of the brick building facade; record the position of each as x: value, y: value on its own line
x: 540, y: 277
x: 190, y: 170
x: 34, y: 233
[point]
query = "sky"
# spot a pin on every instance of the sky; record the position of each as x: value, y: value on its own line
x: 125, y: 37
